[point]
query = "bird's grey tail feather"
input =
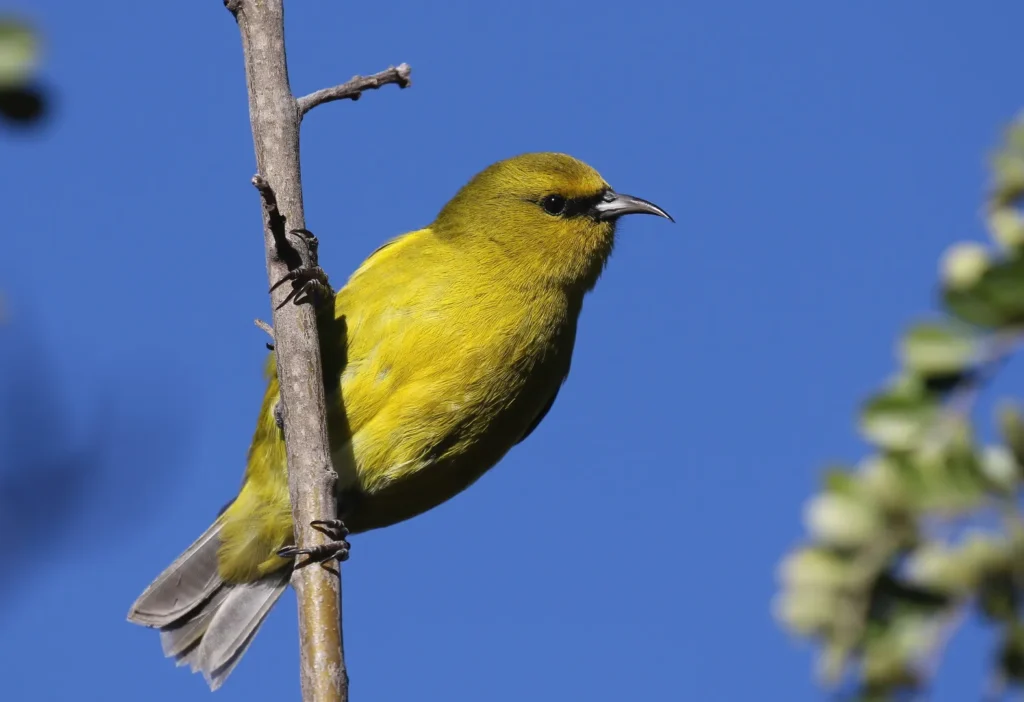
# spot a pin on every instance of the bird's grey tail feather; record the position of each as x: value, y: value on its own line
x: 204, y: 622
x: 183, y: 585
x: 235, y: 624
x: 183, y: 636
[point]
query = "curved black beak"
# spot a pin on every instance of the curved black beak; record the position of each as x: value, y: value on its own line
x: 613, y: 205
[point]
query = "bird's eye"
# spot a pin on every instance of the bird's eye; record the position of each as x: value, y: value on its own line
x: 553, y: 204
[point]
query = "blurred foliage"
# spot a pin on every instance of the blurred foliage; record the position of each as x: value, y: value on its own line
x: 927, y: 531
x: 22, y: 100
x: 69, y: 488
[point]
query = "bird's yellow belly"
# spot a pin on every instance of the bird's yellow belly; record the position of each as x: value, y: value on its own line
x: 416, y: 492
x: 459, y: 453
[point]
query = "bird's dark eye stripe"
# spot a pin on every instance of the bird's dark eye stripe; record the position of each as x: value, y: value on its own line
x: 574, y: 207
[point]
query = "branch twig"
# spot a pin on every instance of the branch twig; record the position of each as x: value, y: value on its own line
x: 353, y: 89
x: 268, y: 329
x: 275, y: 128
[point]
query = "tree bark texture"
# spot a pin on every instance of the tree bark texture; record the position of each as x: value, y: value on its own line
x: 275, y: 117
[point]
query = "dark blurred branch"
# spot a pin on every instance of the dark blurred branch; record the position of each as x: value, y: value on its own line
x: 83, y: 485
x: 22, y: 99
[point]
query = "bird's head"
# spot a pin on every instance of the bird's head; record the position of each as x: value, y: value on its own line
x: 549, y: 214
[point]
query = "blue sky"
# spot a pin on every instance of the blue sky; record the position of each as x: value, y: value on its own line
x: 818, y: 158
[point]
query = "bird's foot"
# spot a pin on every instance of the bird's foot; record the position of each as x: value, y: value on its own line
x: 336, y: 549
x: 312, y: 243
x: 310, y: 281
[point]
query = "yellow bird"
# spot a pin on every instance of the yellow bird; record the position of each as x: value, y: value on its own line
x: 446, y: 348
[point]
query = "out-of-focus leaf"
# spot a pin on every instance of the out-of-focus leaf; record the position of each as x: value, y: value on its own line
x: 938, y: 348
x: 1007, y: 228
x: 988, y: 296
x: 896, y: 422
x: 890, y: 656
x: 1008, y: 169
x: 963, y: 464
x: 840, y: 481
x: 958, y: 571
x: 813, y: 568
x: 963, y: 265
x: 964, y: 296
x: 1003, y: 284
x: 950, y: 476
x: 841, y: 521
x: 805, y: 612
x: 982, y: 553
x: 887, y: 481
x: 935, y: 565
x: 972, y: 306
x: 19, y: 52
x: 1000, y: 468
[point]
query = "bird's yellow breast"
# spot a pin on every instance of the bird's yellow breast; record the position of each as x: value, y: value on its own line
x: 445, y: 372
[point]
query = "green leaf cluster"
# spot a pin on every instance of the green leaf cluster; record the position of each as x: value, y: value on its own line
x: 890, y: 565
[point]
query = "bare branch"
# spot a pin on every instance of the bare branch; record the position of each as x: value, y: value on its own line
x: 268, y: 329
x: 265, y: 327
x: 353, y: 89
x: 275, y: 127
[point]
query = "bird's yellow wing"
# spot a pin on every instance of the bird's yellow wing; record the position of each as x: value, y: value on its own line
x: 445, y: 373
